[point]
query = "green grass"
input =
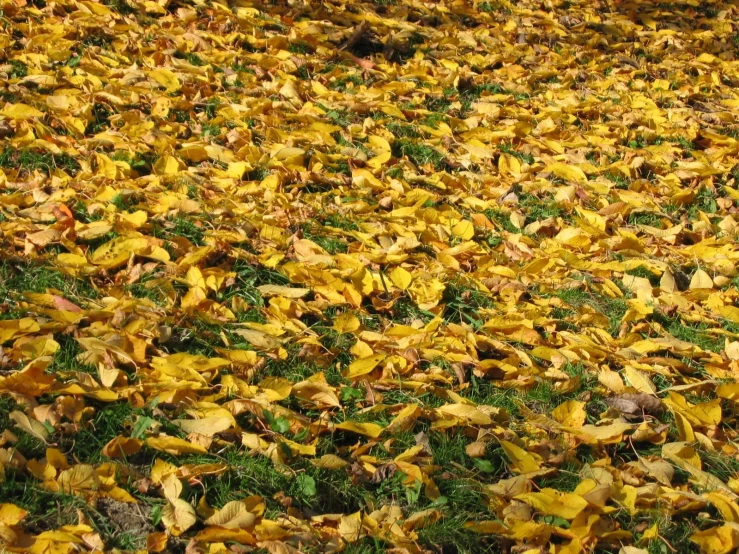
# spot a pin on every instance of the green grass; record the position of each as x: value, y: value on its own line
x: 26, y: 160
x: 463, y: 302
x: 723, y: 467
x: 314, y: 231
x: 342, y: 217
x: 194, y: 59
x: 47, y: 510
x: 502, y: 220
x: 696, y: 334
x: 180, y: 227
x: 619, y: 179
x: 704, y: 201
x: 437, y: 104
x: 674, y: 530
x: 299, y: 47
x: 613, y: 308
x: 508, y: 149
x: 259, y: 173
x: 540, y: 208
x: 420, y: 154
x: 450, y: 535
x: 342, y: 84
x: 140, y: 162
x: 211, y: 130
x: 248, y: 277
x: 339, y: 222
x: 154, y: 287
x: 121, y: 6
x: 566, y: 478
x: 50, y: 510
x: 337, y: 117
x: 296, y: 369
x: 109, y: 421
x: 403, y: 130
x: 18, y: 276
x: 28, y: 445
x: 645, y: 218
x: 65, y: 359
x: 180, y: 116
x: 247, y: 475
x: 18, y: 69
x: 643, y: 272
x: 405, y: 310
x: 99, y: 119
x: 433, y: 120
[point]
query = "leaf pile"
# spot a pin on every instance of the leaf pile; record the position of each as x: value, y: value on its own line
x: 332, y: 276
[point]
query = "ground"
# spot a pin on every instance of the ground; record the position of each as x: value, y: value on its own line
x: 324, y: 276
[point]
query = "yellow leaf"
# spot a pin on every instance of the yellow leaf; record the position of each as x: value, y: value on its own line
x: 174, y: 446
x: 168, y: 165
x: 297, y: 448
x: 21, y: 111
x: 220, y: 535
x: 122, y: 447
x: 726, y: 506
x: 156, y: 542
x: 363, y: 366
x: 10, y: 514
x: 570, y: 413
x: 121, y: 495
x: 234, y: 515
x: 171, y: 486
x: 330, y: 461
x: 370, y: 429
x: 78, y: 478
x: 161, y: 107
x: 350, y: 527
x: 650, y: 533
x: 626, y: 496
x: 522, y: 461
x: 701, y: 280
x: 730, y: 391
x: 207, y: 426
x: 346, y: 323
x: 603, y: 434
x: 178, y: 516
x: 161, y: 469
x: 165, y: 78
x: 729, y: 312
x: 316, y: 391
x: 464, y: 230
x: 718, y: 540
x: 568, y: 172
x: 611, y: 380
x: 400, y: 278
x: 13, y: 328
x: 667, y: 282
x: 555, y: 503
x: 30, y: 426
x: 639, y: 380
x: 467, y: 413
x: 279, y: 290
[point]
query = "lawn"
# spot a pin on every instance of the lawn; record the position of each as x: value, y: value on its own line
x: 387, y: 276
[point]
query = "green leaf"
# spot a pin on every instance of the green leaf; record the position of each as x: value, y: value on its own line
x: 142, y: 424
x: 484, y: 465
x: 306, y: 486
x: 350, y: 393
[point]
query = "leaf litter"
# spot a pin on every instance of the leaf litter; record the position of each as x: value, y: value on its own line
x: 322, y: 277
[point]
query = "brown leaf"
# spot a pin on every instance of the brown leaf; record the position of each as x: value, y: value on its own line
x: 383, y: 472
x: 636, y: 405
